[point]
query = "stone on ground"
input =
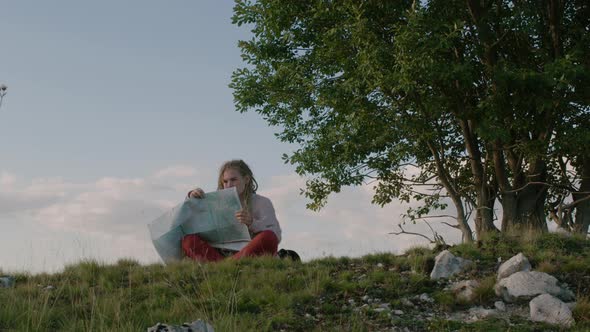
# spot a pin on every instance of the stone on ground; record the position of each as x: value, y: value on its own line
x: 446, y: 265
x: 549, y: 309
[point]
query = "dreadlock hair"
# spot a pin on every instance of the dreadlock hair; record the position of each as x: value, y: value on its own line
x: 250, y: 187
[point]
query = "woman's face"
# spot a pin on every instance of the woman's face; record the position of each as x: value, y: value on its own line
x: 232, y: 178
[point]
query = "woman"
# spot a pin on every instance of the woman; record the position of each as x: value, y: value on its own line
x: 257, y: 213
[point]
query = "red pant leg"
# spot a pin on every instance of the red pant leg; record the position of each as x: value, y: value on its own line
x: 264, y: 243
x: 196, y: 248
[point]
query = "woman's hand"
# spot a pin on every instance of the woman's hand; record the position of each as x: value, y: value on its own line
x: 196, y: 193
x: 244, y: 217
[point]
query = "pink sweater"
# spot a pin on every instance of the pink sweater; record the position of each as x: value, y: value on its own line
x: 264, y: 216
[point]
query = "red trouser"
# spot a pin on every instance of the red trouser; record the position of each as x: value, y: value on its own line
x: 264, y: 243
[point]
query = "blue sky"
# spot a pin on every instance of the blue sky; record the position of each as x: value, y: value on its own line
x: 115, y: 109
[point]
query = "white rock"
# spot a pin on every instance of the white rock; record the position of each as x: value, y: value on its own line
x: 446, y: 264
x: 398, y: 312
x: 425, y: 298
x: 477, y: 313
x: 501, y: 306
x: 525, y: 285
x: 513, y: 265
x: 406, y: 302
x: 465, y: 290
x: 196, y: 326
x: 549, y: 309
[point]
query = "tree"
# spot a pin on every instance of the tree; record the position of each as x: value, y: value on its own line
x: 464, y: 98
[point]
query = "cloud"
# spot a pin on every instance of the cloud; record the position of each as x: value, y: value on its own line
x: 177, y: 171
x: 7, y: 180
x: 15, y: 197
x: 107, y: 219
x: 111, y: 206
x: 110, y: 214
x: 348, y: 225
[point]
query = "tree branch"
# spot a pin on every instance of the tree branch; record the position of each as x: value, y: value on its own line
x: 411, y: 233
x: 576, y: 202
x: 541, y: 183
x: 446, y: 223
x: 439, y: 216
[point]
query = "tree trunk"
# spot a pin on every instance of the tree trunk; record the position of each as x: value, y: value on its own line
x: 466, y: 234
x: 530, y: 208
x: 523, y: 201
x: 484, y: 215
x: 526, y: 207
x: 582, y: 220
x: 444, y: 177
x: 509, y: 208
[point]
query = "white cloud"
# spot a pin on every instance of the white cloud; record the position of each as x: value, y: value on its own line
x: 107, y: 219
x: 178, y: 171
x: 7, y: 180
x: 113, y: 206
x: 109, y: 216
x: 49, y: 187
x: 15, y: 197
x: 348, y: 225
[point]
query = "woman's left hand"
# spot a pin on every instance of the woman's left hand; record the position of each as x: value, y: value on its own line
x: 244, y: 217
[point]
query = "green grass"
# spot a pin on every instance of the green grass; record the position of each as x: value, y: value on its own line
x: 268, y: 294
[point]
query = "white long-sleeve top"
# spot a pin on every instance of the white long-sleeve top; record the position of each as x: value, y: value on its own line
x: 264, y: 216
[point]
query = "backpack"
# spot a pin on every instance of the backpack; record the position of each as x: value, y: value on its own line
x: 291, y: 254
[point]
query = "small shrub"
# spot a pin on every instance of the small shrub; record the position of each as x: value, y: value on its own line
x: 535, y: 255
x: 330, y: 286
x: 246, y: 304
x: 418, y: 283
x: 302, y: 299
x: 445, y: 300
x: 577, y: 265
x: 329, y: 308
x: 581, y: 311
x: 127, y: 263
x: 558, y: 242
x: 485, y: 292
x: 420, y: 260
x: 467, y: 250
x: 280, y: 320
x: 374, y: 259
x: 418, y: 250
x: 547, y: 267
x: 378, y: 276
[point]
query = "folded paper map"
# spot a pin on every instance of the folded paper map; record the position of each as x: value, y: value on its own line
x: 212, y: 218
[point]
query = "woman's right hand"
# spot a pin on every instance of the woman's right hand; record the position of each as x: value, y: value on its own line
x: 196, y: 193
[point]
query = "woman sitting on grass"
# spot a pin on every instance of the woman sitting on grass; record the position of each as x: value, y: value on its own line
x: 257, y: 214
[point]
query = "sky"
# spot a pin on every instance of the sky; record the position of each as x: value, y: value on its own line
x: 116, y: 109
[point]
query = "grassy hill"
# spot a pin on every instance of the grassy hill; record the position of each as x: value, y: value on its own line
x: 378, y: 292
